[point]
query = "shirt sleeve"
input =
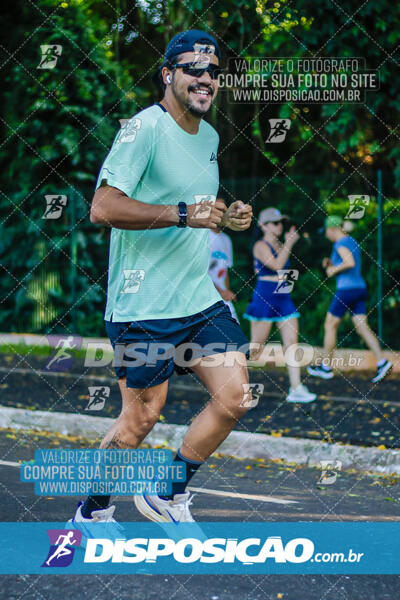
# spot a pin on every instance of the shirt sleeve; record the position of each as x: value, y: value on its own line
x: 345, y: 243
x: 129, y: 156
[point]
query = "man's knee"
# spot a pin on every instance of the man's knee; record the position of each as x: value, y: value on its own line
x: 233, y: 401
x: 139, y: 417
x: 130, y: 429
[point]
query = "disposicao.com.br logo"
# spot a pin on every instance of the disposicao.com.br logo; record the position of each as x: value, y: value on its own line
x: 213, y: 550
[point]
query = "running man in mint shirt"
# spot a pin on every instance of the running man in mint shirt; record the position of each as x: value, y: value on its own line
x: 350, y: 295
x: 157, y: 191
x: 156, y: 162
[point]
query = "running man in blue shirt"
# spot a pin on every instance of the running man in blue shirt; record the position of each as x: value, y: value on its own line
x: 351, y: 293
x: 157, y: 191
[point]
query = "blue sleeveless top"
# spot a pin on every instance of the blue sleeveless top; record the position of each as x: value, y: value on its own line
x: 262, y: 269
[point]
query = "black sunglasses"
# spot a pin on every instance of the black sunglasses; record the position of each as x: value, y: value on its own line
x: 195, y: 71
x: 274, y: 222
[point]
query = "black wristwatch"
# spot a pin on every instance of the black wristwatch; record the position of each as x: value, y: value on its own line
x: 182, y: 214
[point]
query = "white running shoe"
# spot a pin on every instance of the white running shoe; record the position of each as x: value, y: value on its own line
x: 382, y: 371
x: 300, y: 394
x: 165, y: 511
x: 319, y: 371
x: 105, y: 515
x: 101, y: 524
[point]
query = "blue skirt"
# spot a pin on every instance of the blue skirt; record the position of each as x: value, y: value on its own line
x: 267, y: 306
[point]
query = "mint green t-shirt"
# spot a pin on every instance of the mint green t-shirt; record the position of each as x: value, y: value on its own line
x: 160, y: 273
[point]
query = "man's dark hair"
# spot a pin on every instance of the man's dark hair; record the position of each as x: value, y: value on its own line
x: 157, y: 77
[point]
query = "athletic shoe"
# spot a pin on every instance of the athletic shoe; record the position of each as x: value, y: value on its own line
x: 101, y: 524
x: 382, y: 371
x: 300, y: 394
x: 319, y: 371
x: 165, y: 511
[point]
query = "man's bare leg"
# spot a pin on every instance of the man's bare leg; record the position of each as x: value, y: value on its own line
x: 205, y: 434
x: 140, y: 411
x: 226, y: 387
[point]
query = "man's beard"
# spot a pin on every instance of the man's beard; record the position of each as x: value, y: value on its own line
x: 193, y: 110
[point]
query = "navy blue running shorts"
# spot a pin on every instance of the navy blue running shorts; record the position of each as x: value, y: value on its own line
x: 352, y: 299
x: 147, y: 352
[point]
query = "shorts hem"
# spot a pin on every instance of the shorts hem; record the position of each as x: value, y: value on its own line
x: 148, y: 385
x: 153, y: 317
x: 272, y: 319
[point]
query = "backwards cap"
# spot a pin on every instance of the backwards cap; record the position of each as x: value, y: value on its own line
x: 189, y: 41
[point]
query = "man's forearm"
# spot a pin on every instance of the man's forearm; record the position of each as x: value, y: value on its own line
x: 113, y: 208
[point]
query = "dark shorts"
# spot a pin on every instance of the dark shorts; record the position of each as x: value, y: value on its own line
x: 266, y: 305
x: 352, y: 299
x: 147, y: 352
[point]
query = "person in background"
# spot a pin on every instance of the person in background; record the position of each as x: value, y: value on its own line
x: 221, y: 259
x: 271, y: 301
x: 351, y: 294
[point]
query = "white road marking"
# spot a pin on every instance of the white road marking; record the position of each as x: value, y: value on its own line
x: 9, y: 463
x: 243, y: 496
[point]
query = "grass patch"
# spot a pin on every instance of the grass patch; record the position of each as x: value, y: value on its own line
x: 46, y: 351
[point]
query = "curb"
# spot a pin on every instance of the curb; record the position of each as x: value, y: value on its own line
x: 238, y: 444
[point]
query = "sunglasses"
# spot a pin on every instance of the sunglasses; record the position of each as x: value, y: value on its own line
x: 274, y: 222
x: 194, y: 70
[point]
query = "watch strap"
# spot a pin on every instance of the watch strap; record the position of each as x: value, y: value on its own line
x: 182, y: 206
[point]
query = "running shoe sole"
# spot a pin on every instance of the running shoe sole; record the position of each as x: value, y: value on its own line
x: 149, y: 512
x: 305, y: 400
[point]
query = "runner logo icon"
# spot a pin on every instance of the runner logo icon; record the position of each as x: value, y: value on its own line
x: 60, y: 552
x: 286, y: 280
x: 279, y: 129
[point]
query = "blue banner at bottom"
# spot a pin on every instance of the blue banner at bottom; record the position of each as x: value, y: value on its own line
x: 201, y: 548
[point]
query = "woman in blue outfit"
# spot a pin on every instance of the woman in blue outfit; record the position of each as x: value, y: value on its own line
x: 350, y: 295
x: 271, y: 302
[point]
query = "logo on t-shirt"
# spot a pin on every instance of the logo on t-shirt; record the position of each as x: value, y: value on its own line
x: 213, y: 158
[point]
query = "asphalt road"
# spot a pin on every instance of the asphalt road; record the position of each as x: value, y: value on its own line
x: 349, y: 409
x: 278, y: 492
